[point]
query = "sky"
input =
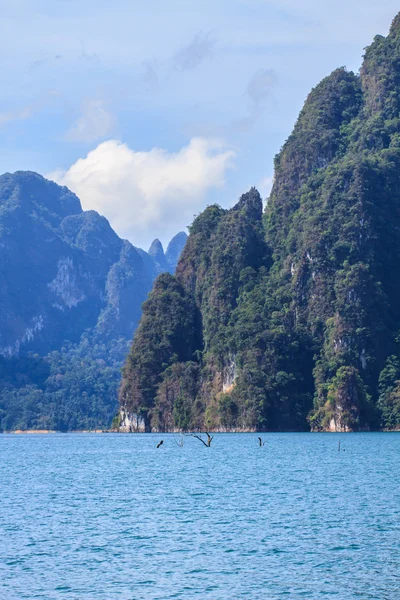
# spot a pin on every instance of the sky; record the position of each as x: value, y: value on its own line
x: 151, y: 110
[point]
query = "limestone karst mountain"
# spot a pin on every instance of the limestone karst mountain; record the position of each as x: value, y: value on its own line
x: 291, y: 320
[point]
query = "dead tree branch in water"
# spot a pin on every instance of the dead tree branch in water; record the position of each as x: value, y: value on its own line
x: 209, y: 439
x: 160, y: 444
x: 261, y: 442
x: 181, y: 441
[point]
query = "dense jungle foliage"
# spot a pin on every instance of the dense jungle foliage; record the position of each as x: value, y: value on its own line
x: 290, y: 319
x: 74, y: 388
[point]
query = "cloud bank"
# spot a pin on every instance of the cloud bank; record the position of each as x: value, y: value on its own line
x: 148, y: 194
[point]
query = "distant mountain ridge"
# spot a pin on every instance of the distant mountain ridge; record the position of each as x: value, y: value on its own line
x: 64, y: 270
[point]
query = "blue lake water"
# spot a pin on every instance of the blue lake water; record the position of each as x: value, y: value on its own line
x: 107, y: 517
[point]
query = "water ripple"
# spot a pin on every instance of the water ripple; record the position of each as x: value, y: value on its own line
x: 85, y: 517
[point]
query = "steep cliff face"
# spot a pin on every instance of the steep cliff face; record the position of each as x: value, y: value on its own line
x: 168, y: 333
x: 344, y: 242
x: 182, y: 387
x: 300, y: 312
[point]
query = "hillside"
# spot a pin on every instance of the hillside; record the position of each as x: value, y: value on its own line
x: 290, y: 318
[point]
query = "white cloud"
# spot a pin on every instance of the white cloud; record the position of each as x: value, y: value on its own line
x: 148, y: 194
x: 94, y: 123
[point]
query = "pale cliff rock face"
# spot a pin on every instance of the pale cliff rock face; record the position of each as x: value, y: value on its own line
x: 132, y: 423
x: 65, y: 285
x: 336, y: 426
x: 230, y: 376
x: 63, y: 270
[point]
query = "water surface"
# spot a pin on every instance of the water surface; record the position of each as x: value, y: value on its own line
x: 104, y: 517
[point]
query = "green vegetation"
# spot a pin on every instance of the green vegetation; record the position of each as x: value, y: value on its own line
x: 389, y: 393
x: 298, y: 308
x: 166, y: 335
x: 71, y: 389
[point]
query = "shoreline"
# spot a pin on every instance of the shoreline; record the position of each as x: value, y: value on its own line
x: 107, y: 431
x: 50, y: 431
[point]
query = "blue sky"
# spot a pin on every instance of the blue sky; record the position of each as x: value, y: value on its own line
x: 150, y: 110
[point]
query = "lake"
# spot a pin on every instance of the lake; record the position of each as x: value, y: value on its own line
x: 107, y: 517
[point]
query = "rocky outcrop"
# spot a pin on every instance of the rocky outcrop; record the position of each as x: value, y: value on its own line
x: 132, y: 423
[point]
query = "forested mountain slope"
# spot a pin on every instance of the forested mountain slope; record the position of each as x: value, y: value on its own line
x: 290, y: 319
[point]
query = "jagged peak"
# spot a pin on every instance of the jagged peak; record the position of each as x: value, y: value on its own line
x: 156, y: 248
x: 326, y: 100
x: 251, y: 202
x: 207, y: 221
x: 179, y: 237
x: 395, y: 27
x: 174, y: 249
x: 156, y: 251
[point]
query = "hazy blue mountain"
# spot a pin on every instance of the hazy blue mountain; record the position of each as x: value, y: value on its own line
x: 71, y: 295
x: 64, y: 270
x: 168, y: 261
x: 174, y: 250
x: 156, y: 251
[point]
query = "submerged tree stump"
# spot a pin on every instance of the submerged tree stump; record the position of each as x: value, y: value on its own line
x: 207, y: 443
